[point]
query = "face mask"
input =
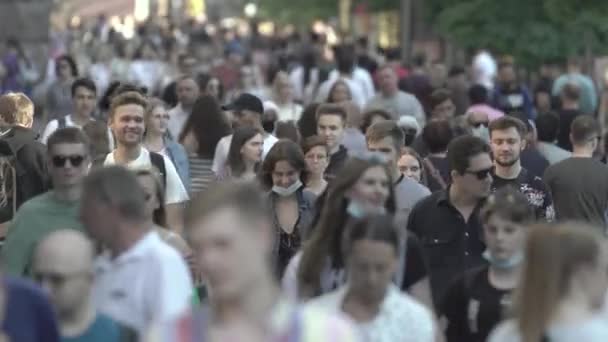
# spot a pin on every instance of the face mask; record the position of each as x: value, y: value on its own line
x: 481, y: 132
x: 268, y: 126
x: 359, y: 211
x: 284, y: 192
x: 513, y: 261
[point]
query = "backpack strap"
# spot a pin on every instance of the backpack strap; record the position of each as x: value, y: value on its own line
x: 159, y: 162
x: 61, y: 122
x: 428, y: 164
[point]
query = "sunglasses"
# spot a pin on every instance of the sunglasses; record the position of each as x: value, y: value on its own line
x: 75, y: 160
x: 477, y: 124
x: 481, y: 174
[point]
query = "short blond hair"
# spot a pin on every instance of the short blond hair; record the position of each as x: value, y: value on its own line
x: 16, y: 109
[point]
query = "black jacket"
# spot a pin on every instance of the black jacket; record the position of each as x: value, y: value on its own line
x: 32, y: 172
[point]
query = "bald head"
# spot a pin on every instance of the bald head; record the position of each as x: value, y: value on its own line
x: 65, y: 251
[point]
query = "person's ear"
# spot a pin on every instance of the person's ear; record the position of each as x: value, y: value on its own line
x: 454, y: 174
x: 524, y: 142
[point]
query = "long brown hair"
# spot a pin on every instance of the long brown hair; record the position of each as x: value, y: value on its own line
x: 553, y: 255
x: 160, y: 215
x: 207, y: 124
x: 326, y: 239
x: 283, y: 150
x: 235, y: 160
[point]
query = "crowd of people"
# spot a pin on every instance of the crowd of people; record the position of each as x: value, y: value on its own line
x: 301, y: 197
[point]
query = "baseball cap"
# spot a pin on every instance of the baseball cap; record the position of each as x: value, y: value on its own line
x: 246, y: 102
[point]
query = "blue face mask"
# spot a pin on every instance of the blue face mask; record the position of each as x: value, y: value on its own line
x: 514, y: 261
x: 284, y: 192
x: 359, y: 211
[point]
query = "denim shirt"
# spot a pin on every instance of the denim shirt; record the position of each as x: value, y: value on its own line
x: 179, y: 157
x: 306, y: 213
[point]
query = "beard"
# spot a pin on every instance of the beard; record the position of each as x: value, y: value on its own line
x: 508, y: 162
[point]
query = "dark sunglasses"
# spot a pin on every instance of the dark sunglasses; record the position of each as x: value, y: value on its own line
x: 481, y: 174
x: 75, y: 160
x: 477, y: 124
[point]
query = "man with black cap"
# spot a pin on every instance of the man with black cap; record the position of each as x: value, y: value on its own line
x: 247, y: 110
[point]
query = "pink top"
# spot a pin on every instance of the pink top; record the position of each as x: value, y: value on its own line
x: 492, y: 113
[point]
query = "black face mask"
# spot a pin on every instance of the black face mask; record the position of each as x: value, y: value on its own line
x: 268, y: 126
x: 410, y: 135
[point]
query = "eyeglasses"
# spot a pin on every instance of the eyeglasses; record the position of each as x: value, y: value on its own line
x: 481, y: 174
x: 75, y: 160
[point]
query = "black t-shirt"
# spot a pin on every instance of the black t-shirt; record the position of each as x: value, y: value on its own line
x: 473, y: 307
x: 566, y: 116
x: 579, y: 187
x: 535, y: 191
x: 442, y: 168
x: 336, y: 161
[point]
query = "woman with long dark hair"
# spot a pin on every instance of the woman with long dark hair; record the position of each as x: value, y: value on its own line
x: 245, y: 153
x: 363, y: 187
x: 59, y: 95
x: 292, y: 207
x: 375, y: 304
x: 203, y: 130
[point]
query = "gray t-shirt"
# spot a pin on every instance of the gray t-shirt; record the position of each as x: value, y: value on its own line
x: 407, y: 193
x: 398, y: 105
x: 579, y: 187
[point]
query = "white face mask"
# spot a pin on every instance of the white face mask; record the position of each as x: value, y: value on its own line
x: 481, y: 132
x: 515, y: 260
x: 359, y: 211
x: 284, y: 192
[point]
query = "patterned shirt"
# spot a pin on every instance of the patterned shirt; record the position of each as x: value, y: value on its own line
x: 534, y: 189
x: 400, y: 317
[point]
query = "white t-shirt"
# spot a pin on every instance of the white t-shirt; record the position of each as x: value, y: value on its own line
x: 174, y: 191
x: 400, y: 317
x: 223, y: 147
x: 177, y: 120
x: 53, y: 125
x: 147, y: 284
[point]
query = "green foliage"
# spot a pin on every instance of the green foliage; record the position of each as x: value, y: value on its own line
x: 530, y: 30
x: 297, y: 12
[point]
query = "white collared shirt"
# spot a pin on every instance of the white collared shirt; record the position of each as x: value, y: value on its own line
x: 177, y: 120
x: 400, y: 318
x: 174, y: 189
x: 147, y: 284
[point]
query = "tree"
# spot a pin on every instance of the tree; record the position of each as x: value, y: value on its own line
x: 532, y: 31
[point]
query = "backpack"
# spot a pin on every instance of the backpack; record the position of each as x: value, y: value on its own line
x: 8, y: 181
x: 157, y: 160
x: 61, y: 123
x: 159, y: 163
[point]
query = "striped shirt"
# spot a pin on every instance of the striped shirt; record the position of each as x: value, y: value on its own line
x: 201, y: 175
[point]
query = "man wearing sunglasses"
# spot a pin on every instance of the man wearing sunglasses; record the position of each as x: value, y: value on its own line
x: 68, y: 162
x: 507, y: 140
x: 447, y: 222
